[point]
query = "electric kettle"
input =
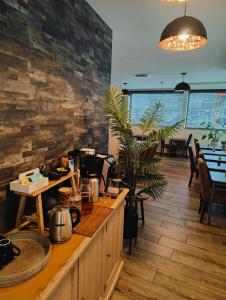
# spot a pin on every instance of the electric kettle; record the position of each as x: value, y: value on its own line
x: 61, y: 223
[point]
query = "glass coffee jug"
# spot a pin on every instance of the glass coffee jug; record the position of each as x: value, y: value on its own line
x: 86, y: 194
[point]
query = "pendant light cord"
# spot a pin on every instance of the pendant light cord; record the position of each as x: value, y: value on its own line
x: 185, y: 8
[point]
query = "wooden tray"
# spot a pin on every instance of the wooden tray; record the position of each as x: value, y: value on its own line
x: 35, y: 251
x: 90, y: 223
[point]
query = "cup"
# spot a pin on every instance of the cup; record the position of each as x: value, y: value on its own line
x: 114, y: 186
x: 7, y: 251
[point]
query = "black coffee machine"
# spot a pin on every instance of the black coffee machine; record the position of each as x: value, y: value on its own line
x: 102, y: 165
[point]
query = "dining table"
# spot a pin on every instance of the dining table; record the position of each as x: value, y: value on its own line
x: 214, y: 152
x: 214, y: 158
x: 207, y: 147
x: 215, y: 166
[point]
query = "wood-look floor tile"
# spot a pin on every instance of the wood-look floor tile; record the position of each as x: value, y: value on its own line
x: 166, y: 265
x: 185, y: 289
x: 149, y: 217
x: 160, y: 250
x: 206, y: 255
x: 161, y: 231
x: 197, y: 263
x: 203, y: 228
x: 208, y: 242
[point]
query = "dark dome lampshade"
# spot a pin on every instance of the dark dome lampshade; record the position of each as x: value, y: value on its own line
x: 184, y: 33
x: 182, y: 87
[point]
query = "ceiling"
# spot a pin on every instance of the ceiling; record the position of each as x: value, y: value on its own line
x: 137, y: 25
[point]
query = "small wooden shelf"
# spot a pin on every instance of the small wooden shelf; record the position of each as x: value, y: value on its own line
x: 38, y: 216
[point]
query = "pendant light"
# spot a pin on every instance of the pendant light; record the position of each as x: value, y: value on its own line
x: 183, y: 34
x: 125, y: 91
x: 182, y: 86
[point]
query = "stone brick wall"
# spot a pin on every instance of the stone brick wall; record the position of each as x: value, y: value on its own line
x: 55, y: 64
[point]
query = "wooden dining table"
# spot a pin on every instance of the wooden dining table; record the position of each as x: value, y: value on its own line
x: 214, y: 158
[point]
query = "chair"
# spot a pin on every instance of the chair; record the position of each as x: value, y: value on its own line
x: 205, y: 194
x: 185, y: 152
x: 193, y: 167
x: 197, y: 150
x: 165, y: 146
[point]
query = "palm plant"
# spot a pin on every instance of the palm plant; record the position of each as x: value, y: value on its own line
x: 132, y: 168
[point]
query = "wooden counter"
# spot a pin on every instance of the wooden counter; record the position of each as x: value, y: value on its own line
x: 81, y: 269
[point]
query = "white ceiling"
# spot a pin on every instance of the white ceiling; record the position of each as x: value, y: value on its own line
x: 137, y: 26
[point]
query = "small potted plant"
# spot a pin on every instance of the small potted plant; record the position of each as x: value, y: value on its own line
x: 216, y: 131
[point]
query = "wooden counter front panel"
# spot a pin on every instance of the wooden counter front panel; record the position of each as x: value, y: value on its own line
x: 68, y: 287
x: 90, y: 271
x: 113, y: 240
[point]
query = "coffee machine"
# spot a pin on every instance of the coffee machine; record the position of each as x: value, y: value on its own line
x: 102, y: 166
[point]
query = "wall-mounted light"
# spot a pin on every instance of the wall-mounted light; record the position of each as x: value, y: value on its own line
x: 183, y: 33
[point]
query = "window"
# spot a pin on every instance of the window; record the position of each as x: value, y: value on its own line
x: 173, y: 110
x: 205, y: 107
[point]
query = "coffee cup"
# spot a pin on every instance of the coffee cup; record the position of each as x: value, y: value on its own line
x: 7, y: 251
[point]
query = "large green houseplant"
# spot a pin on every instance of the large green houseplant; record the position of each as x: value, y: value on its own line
x: 133, y: 169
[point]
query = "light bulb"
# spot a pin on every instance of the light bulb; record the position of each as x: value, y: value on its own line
x: 183, y: 37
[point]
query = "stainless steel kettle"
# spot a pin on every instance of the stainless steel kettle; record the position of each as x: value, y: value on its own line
x: 61, y: 223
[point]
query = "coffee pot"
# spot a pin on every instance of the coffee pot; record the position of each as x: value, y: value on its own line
x: 61, y: 222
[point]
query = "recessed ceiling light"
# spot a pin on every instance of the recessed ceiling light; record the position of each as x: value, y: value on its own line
x: 174, y: 0
x: 141, y: 75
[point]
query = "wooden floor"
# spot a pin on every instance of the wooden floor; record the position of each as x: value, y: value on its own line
x: 176, y: 257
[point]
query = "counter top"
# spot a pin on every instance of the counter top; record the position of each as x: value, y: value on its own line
x: 61, y: 258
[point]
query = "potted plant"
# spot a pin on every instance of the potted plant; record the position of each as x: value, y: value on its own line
x: 216, y: 131
x: 133, y: 169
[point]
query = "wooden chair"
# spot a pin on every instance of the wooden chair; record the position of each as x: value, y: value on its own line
x: 185, y: 152
x: 193, y: 167
x: 197, y: 150
x: 205, y: 188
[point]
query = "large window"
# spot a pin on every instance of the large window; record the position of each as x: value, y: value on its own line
x: 173, y: 110
x: 195, y: 107
x: 205, y: 107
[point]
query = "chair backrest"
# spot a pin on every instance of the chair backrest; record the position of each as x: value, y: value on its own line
x: 192, y: 159
x: 143, y: 155
x: 197, y: 148
x: 204, y: 180
x: 188, y: 141
x: 151, y: 152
